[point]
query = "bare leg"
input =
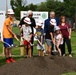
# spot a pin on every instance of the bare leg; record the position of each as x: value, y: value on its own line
x: 30, y: 51
x: 39, y: 52
x: 10, y: 52
x: 6, y: 51
x: 26, y: 51
x: 42, y: 52
x: 49, y: 49
x: 59, y: 52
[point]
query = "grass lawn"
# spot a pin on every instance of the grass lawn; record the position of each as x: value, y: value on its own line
x: 16, y: 51
x: 71, y: 73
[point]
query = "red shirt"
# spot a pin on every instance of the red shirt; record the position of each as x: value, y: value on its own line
x: 64, y: 30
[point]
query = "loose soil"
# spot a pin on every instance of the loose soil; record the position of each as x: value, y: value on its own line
x: 40, y: 66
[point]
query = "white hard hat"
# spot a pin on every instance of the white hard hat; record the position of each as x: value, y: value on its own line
x: 57, y: 28
x: 39, y: 23
x: 27, y: 20
x: 10, y: 11
x: 29, y: 12
x: 53, y: 22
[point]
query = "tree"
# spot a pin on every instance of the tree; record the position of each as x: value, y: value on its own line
x: 32, y: 7
x: 17, y: 6
x: 71, y: 9
x: 57, y: 6
x: 42, y: 7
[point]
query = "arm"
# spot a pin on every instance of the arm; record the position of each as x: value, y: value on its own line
x: 8, y: 27
x: 31, y: 36
x: 51, y: 35
x: 58, y: 42
x: 21, y: 22
x: 41, y: 39
x: 69, y: 30
x: 70, y: 33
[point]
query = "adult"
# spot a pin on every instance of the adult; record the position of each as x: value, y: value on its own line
x: 8, y: 35
x: 32, y: 25
x: 66, y: 33
x: 47, y: 21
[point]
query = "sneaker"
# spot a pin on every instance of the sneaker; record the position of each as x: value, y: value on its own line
x: 70, y: 55
x: 12, y: 60
x: 8, y: 61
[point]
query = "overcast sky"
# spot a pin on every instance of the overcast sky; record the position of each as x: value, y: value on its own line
x: 3, y: 3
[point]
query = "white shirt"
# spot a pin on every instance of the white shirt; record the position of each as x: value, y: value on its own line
x: 26, y: 32
x: 57, y: 37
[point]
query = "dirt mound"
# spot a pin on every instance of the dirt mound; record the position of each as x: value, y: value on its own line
x: 39, y: 66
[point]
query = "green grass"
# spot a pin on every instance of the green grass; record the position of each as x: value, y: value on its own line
x: 71, y: 73
x: 16, y: 51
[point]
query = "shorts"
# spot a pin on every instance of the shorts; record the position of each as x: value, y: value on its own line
x: 39, y: 47
x: 9, y: 41
x: 49, y: 42
x: 26, y: 43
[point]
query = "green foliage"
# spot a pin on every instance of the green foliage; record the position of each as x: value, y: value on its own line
x: 66, y: 8
x: 42, y: 7
x: 56, y: 6
x: 17, y: 6
x: 70, y: 8
x: 71, y: 73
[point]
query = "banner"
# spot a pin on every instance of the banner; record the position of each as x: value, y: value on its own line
x: 37, y: 15
x: 2, y: 18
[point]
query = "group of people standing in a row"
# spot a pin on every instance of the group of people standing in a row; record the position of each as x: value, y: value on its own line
x: 61, y: 31
x: 56, y: 32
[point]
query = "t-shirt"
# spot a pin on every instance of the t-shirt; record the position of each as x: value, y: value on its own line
x: 40, y: 33
x: 57, y: 37
x: 64, y: 30
x: 26, y: 32
x: 50, y: 29
x: 6, y: 32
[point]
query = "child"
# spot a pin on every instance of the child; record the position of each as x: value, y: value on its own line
x: 27, y: 35
x: 58, y: 39
x: 39, y: 33
x: 8, y: 35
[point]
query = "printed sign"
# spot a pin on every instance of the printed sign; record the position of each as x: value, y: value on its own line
x: 2, y: 18
x: 37, y: 16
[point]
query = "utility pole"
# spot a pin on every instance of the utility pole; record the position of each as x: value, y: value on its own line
x: 75, y: 18
x: 6, y: 6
